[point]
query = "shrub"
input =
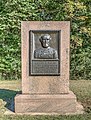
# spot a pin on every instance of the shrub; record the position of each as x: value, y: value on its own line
x: 12, y: 12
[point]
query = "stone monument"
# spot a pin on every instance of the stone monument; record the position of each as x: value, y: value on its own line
x: 45, y: 69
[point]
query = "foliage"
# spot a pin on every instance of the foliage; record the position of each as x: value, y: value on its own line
x: 12, y: 12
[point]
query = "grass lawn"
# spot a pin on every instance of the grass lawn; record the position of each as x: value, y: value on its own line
x: 8, y: 90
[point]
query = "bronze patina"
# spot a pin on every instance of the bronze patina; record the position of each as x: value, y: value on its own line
x: 46, y: 52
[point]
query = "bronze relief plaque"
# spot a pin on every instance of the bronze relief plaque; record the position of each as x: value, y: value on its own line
x: 44, y: 52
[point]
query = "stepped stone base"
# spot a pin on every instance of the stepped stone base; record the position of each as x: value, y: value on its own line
x: 46, y: 104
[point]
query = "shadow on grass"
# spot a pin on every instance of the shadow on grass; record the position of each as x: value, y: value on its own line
x: 8, y: 96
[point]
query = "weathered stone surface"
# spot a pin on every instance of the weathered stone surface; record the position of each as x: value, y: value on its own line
x: 48, y: 85
x: 61, y: 103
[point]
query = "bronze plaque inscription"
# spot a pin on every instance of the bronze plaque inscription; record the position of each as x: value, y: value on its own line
x: 45, y: 67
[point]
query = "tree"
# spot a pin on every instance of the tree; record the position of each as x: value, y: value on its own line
x: 12, y: 12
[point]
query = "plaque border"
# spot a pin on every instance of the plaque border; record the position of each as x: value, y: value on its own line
x: 30, y: 49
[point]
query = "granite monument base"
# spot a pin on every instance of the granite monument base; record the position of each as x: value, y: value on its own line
x: 46, y: 104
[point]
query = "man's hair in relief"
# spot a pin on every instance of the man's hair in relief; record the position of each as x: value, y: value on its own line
x: 42, y: 37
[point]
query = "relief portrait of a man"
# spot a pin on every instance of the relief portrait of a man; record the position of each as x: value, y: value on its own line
x: 45, y: 52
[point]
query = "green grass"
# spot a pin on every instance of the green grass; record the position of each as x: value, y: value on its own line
x: 82, y: 89
x: 8, y: 90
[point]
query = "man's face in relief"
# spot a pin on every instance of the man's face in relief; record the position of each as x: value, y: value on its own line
x: 45, y: 41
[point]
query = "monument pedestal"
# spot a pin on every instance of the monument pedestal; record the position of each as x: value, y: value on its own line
x: 46, y: 104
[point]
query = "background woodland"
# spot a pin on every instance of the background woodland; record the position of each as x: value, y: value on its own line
x: 12, y: 12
